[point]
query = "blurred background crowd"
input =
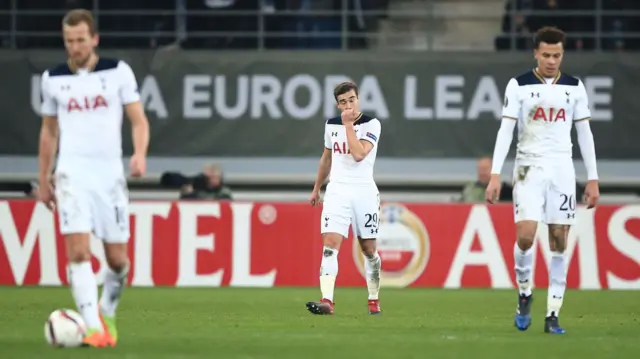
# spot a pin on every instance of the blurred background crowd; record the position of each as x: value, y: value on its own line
x: 219, y: 24
x: 577, y: 18
x: 319, y: 24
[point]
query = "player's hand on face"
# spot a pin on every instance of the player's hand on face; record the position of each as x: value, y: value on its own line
x: 138, y: 165
x: 46, y: 196
x: 349, y: 116
x: 315, y: 198
x: 492, y: 194
x: 592, y: 193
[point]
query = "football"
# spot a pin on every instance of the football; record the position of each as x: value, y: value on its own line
x: 64, y: 328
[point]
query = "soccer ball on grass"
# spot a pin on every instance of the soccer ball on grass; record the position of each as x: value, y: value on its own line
x: 64, y: 328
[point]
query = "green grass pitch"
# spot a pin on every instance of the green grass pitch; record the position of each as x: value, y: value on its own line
x: 230, y: 323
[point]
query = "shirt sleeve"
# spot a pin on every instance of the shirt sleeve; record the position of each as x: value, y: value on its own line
x: 327, y: 138
x: 503, y: 143
x: 587, y: 149
x: 371, y: 131
x: 511, y: 106
x: 49, y: 106
x: 581, y: 110
x: 129, y: 86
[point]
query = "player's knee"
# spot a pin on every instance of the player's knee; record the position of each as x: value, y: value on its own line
x: 78, y: 256
x: 525, y: 242
x: 558, y: 238
x: 526, y: 233
x: 332, y: 240
x: 557, y: 245
x: 116, y: 256
x: 525, y: 239
x: 369, y: 252
x: 368, y: 247
x: 78, y: 249
x: 118, y: 264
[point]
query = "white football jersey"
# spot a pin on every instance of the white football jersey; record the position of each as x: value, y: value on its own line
x: 344, y: 169
x: 545, y: 110
x: 89, y: 108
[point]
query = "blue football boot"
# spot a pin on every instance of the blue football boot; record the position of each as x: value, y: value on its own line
x: 523, y: 313
x: 552, y: 325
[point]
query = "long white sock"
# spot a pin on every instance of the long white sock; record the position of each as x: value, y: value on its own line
x: 557, y: 283
x: 84, y: 289
x: 372, y: 267
x: 328, y: 272
x: 114, y: 283
x: 523, y: 267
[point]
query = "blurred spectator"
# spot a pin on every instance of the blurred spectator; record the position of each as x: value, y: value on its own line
x: 581, y: 28
x: 586, y: 24
x: 362, y: 24
x: 44, y: 29
x: 553, y: 15
x: 151, y: 24
x: 323, y: 31
x: 474, y: 192
x: 547, y: 13
x: 241, y: 28
x: 616, y: 25
x: 216, y: 24
x: 5, y: 24
x: 515, y: 23
x: 314, y: 31
x: 207, y: 185
x: 31, y: 188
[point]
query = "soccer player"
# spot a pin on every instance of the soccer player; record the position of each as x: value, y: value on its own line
x: 351, y: 198
x: 82, y: 109
x: 545, y: 104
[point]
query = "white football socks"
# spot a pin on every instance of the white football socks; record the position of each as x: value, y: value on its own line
x: 372, y: 267
x: 114, y: 283
x: 523, y: 267
x: 557, y: 283
x: 84, y: 289
x: 328, y: 272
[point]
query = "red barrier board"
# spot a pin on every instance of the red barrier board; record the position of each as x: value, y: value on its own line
x: 246, y: 244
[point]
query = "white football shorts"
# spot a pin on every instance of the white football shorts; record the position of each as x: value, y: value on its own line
x: 93, y: 201
x: 351, y: 205
x: 545, y: 193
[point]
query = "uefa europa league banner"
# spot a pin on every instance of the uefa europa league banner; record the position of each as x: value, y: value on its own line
x: 275, y: 104
x: 212, y: 244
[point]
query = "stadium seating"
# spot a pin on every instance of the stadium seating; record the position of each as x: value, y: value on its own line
x: 590, y: 24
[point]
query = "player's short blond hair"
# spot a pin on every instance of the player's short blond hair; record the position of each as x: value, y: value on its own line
x: 76, y: 17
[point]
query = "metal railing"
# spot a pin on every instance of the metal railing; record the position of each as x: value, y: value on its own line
x: 598, y: 20
x: 171, y: 26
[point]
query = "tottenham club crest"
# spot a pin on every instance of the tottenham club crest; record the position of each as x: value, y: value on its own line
x: 403, y: 245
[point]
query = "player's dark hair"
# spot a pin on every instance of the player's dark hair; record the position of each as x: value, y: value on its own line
x: 343, y: 88
x: 76, y: 17
x: 550, y: 35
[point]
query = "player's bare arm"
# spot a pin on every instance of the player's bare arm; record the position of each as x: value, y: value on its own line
x: 359, y: 148
x: 46, y: 154
x: 140, y: 134
x: 323, y: 171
